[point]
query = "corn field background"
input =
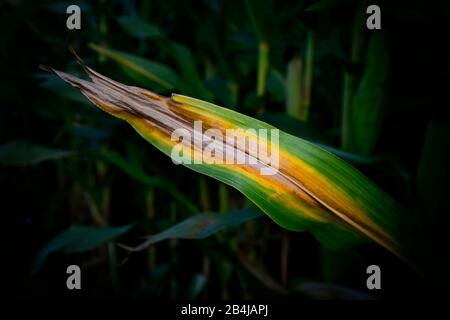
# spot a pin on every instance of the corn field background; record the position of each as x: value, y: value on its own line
x: 81, y: 187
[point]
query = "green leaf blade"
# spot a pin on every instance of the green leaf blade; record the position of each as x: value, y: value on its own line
x: 79, y: 239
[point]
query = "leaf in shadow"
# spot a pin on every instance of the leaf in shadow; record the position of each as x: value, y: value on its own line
x: 23, y: 153
x: 138, y: 28
x: 79, y: 239
x: 201, y: 226
x: 142, y: 70
x: 369, y: 102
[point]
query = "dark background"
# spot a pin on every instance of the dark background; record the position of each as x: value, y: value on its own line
x: 408, y: 159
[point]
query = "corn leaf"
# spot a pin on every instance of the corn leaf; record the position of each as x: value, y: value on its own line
x: 142, y: 70
x: 23, y: 153
x: 79, y: 239
x: 369, y: 102
x: 138, y: 28
x: 294, y: 87
x: 202, y: 225
x: 310, y: 190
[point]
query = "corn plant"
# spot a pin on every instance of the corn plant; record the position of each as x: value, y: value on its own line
x: 312, y: 189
